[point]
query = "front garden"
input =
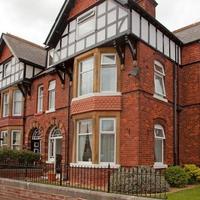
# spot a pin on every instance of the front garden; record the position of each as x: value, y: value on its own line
x: 180, y: 182
x: 184, y: 182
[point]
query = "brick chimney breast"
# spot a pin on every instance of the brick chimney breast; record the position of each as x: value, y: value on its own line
x: 149, y: 6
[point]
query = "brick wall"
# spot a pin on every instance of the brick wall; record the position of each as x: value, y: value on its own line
x: 140, y: 110
x: 45, y: 121
x: 6, y: 53
x: 9, y: 193
x: 189, y: 99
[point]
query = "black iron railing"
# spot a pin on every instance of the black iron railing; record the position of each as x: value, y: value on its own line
x: 137, y: 181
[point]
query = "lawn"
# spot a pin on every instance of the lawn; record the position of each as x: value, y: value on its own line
x: 188, y: 194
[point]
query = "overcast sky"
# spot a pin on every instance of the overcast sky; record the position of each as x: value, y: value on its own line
x: 32, y: 19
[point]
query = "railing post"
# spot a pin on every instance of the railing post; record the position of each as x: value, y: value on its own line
x: 108, y: 178
x: 61, y: 168
x: 26, y: 170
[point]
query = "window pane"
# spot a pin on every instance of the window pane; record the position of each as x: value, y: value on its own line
x: 85, y: 126
x: 159, y: 69
x: 86, y: 76
x: 107, y: 125
x: 87, y: 65
x: 52, y: 100
x: 108, y: 59
x: 17, y: 103
x: 159, y: 87
x: 86, y: 83
x: 51, y: 149
x: 85, y: 148
x: 86, y: 26
x: 159, y: 133
x: 108, y: 79
x: 16, y: 138
x: 158, y: 150
x: 17, y: 108
x: 107, y: 147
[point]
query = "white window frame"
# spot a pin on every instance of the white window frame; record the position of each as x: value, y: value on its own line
x: 103, y: 64
x: 4, y: 104
x: 51, y: 90
x: 107, y: 132
x: 18, y: 145
x: 80, y: 73
x: 51, y: 51
x: 90, y: 15
x: 83, y: 134
x: 2, y: 137
x: 160, y: 75
x: 159, y: 127
x: 51, y: 159
x: 14, y: 100
x: 40, y: 99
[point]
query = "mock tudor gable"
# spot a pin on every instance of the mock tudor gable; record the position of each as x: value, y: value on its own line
x: 101, y: 24
x: 24, y: 60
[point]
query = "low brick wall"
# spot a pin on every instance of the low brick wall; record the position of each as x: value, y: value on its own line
x: 19, y: 190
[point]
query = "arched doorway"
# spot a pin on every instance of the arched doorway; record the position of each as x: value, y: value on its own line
x: 36, y: 141
x: 55, y: 145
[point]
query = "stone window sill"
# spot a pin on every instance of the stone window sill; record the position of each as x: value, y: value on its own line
x: 160, y: 98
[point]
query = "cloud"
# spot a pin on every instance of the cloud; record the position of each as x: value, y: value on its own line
x: 175, y: 14
x: 30, y: 19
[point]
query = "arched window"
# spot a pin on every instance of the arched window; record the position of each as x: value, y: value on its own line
x: 55, y: 138
x: 159, y: 135
x: 36, y: 134
x: 159, y: 79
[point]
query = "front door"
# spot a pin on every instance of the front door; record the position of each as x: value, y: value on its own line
x: 35, y: 146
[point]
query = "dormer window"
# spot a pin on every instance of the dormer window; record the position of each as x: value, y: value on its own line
x: 85, y: 24
x: 7, y: 69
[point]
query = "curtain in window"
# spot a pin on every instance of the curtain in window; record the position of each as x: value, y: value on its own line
x: 158, y: 150
x: 107, y: 147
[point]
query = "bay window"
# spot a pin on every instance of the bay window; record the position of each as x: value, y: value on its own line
x: 108, y: 73
x: 159, y: 82
x: 96, y: 72
x: 107, y: 140
x: 159, y: 135
x: 40, y: 98
x: 52, y: 95
x: 17, y: 103
x: 16, y: 139
x: 86, y: 76
x: 5, y: 104
x: 84, y: 151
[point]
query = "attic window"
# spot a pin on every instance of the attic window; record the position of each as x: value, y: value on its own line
x: 7, y: 69
x: 85, y: 24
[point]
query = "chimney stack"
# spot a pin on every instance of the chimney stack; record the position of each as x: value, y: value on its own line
x: 148, y: 5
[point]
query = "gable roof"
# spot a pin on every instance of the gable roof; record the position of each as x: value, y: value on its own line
x: 61, y: 21
x: 189, y: 33
x: 25, y: 50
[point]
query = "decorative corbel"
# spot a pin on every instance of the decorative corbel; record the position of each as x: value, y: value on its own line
x: 25, y: 87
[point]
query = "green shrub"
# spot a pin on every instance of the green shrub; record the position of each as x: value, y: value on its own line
x: 193, y: 172
x: 135, y: 180
x: 176, y: 176
x: 22, y: 156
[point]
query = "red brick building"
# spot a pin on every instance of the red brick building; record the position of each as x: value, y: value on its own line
x: 117, y: 88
